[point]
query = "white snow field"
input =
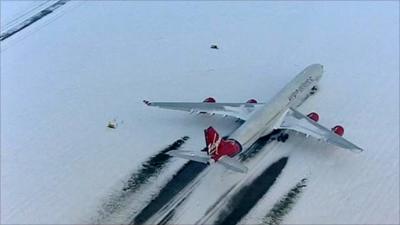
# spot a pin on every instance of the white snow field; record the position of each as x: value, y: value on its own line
x: 66, y: 76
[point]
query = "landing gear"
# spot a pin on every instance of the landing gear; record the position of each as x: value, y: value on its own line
x: 313, y: 90
x: 239, y: 121
x: 282, y: 137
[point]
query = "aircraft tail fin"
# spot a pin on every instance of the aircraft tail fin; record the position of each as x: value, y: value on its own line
x: 212, y: 140
x: 219, y: 150
x: 218, y: 147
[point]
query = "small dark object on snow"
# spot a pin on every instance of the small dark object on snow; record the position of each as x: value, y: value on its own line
x: 112, y: 125
x: 214, y: 47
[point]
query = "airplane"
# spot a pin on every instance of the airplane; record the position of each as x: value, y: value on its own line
x: 260, y: 119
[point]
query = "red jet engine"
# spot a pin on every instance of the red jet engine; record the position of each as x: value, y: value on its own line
x: 314, y: 116
x: 339, y: 130
x: 210, y: 100
x: 252, y: 101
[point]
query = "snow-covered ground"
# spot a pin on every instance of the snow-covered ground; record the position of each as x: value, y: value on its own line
x: 66, y: 76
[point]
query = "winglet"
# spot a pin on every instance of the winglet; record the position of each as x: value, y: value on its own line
x: 147, y: 102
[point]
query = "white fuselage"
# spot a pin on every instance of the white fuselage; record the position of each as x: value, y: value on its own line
x: 263, y: 119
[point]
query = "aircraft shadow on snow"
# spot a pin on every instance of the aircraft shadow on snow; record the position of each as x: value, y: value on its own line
x: 248, y: 196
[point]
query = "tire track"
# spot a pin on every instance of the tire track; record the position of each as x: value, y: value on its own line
x: 149, y: 169
x: 178, y: 182
x: 171, y: 214
x: 186, y: 175
x: 26, y: 23
x: 248, y: 196
x: 283, y: 206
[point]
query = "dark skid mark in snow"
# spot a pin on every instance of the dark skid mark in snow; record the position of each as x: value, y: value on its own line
x: 152, y: 166
x: 285, y: 204
x: 258, y: 145
x: 180, y: 180
x: 167, y: 218
x: 216, y: 202
x: 26, y: 23
x: 187, y: 174
x: 246, y: 198
x: 149, y: 168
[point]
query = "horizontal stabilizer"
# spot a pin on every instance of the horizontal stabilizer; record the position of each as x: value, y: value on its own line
x: 189, y: 155
x: 232, y: 164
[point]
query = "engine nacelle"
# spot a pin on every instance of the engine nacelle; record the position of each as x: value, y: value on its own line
x: 314, y: 116
x: 253, y: 101
x: 339, y: 130
x: 210, y: 100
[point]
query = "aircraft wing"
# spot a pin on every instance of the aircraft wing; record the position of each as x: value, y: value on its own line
x: 294, y: 120
x: 236, y: 110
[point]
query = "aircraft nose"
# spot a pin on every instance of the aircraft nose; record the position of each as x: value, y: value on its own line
x: 318, y: 70
x: 321, y: 68
x: 317, y: 66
